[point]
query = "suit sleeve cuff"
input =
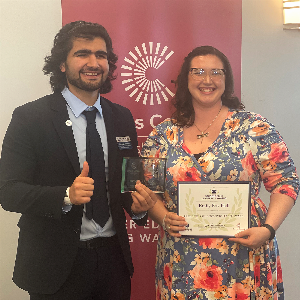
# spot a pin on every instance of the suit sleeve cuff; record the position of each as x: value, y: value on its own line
x: 138, y: 216
x: 67, y: 206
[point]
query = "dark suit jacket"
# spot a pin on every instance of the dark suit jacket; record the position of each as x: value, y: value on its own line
x: 39, y: 161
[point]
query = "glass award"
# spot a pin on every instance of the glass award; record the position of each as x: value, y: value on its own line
x: 150, y: 171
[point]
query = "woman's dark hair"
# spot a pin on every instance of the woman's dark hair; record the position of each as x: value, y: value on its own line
x: 63, y: 43
x: 184, y: 114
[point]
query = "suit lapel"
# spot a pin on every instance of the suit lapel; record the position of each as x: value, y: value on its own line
x: 111, y: 136
x: 60, y: 117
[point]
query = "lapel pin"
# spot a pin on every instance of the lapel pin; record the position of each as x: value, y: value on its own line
x: 69, y: 123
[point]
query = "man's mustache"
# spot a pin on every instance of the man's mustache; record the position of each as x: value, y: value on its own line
x: 96, y: 70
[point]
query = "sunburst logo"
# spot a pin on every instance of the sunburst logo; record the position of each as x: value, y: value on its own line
x: 140, y: 75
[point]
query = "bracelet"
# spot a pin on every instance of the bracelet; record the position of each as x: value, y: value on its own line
x: 163, y: 224
x: 272, y: 230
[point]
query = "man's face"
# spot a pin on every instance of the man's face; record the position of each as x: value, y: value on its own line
x: 86, y: 67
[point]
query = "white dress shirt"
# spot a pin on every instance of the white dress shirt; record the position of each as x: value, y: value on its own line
x: 89, y: 228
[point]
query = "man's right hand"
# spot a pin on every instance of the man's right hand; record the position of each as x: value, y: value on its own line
x: 82, y: 188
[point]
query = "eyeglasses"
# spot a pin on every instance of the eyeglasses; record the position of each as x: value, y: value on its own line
x: 200, y: 74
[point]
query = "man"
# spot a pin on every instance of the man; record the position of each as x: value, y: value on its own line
x: 73, y: 242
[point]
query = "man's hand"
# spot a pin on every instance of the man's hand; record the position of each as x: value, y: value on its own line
x: 82, y: 188
x: 143, y: 199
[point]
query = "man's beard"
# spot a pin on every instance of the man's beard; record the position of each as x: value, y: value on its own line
x: 89, y: 86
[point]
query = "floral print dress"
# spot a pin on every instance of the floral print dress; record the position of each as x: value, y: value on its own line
x: 248, y: 148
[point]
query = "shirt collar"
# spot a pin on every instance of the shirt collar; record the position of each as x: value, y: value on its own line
x: 76, y: 105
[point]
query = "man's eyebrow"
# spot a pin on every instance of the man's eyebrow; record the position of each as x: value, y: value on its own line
x: 87, y: 51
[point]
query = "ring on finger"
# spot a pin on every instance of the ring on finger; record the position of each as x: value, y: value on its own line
x: 168, y: 227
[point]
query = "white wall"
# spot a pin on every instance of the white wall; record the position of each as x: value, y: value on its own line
x: 27, y: 28
x: 270, y: 86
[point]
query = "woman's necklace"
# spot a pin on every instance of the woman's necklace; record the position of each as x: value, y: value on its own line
x: 203, y: 133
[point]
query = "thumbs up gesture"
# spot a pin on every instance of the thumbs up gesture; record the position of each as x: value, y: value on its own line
x: 82, y: 188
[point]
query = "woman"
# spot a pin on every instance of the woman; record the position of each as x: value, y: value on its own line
x: 211, y: 138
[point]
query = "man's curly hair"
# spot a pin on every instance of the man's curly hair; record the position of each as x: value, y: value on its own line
x: 63, y: 43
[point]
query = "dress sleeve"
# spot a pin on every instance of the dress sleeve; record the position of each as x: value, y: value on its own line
x: 274, y: 163
x: 156, y: 144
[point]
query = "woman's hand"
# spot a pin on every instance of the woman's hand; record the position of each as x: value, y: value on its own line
x: 253, y: 237
x: 173, y: 223
x: 143, y: 199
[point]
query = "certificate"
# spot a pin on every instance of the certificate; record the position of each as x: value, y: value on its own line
x: 214, y: 209
x: 150, y: 171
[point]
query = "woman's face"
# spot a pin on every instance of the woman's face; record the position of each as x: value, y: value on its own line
x: 207, y: 85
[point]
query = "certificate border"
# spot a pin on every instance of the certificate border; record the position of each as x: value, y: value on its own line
x: 215, y: 183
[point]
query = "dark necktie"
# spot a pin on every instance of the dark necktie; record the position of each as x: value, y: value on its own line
x: 97, y: 208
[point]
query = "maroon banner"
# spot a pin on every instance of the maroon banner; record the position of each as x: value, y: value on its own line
x: 151, y: 38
